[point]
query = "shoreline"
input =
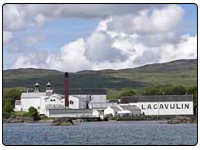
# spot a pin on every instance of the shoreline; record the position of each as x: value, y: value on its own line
x: 167, y: 121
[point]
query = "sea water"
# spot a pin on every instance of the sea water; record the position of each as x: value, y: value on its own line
x: 101, y: 133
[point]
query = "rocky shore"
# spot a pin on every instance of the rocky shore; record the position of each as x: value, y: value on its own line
x: 69, y: 121
x: 182, y: 119
x: 18, y: 120
x: 54, y: 122
x: 66, y: 122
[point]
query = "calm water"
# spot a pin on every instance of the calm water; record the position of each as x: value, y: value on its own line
x: 101, y: 133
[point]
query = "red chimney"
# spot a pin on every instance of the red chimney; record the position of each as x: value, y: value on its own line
x: 66, y: 90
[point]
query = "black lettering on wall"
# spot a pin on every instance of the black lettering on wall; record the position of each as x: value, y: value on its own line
x: 187, y: 106
x: 143, y: 106
x: 166, y: 106
x: 172, y: 106
x: 177, y: 107
x: 155, y: 106
x: 149, y: 106
x: 161, y: 106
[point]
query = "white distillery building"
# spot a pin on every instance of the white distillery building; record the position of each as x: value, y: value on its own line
x: 161, y: 104
x: 121, y: 110
x: 40, y: 100
x: 78, y: 99
x: 87, y: 98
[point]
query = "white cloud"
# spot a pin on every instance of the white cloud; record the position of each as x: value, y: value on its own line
x: 186, y: 48
x: 18, y: 17
x: 99, y: 49
x: 158, y: 20
x: 13, y: 17
x: 124, y: 41
x: 74, y: 57
x: 7, y: 37
x: 35, y: 59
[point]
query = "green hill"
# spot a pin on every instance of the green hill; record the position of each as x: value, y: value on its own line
x: 181, y: 72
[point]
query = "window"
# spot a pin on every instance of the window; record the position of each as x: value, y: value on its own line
x: 71, y: 102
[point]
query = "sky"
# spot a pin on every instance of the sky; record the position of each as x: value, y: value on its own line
x: 76, y: 37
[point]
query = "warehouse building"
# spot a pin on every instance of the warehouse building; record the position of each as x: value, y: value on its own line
x: 161, y: 104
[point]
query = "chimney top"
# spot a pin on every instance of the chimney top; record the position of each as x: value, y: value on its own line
x: 66, y: 74
x: 48, y: 84
x: 36, y: 84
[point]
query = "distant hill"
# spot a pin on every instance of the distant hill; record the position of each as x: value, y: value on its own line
x: 181, y: 72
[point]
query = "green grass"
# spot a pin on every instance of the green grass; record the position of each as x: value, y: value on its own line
x: 21, y: 114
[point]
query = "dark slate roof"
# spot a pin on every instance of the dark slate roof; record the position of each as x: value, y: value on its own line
x: 87, y: 92
x: 157, y: 98
x: 67, y: 111
x: 113, y: 101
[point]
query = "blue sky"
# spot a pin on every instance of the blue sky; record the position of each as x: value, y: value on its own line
x: 62, y: 31
x: 190, y: 18
x: 80, y: 31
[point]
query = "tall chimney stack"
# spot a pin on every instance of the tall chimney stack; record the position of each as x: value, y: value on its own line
x: 66, y: 89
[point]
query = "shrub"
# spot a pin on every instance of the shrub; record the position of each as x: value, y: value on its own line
x: 6, y: 115
x: 178, y: 90
x: 193, y: 91
x: 43, y: 117
x: 7, y: 106
x: 33, y: 113
x: 165, y: 90
x: 128, y: 92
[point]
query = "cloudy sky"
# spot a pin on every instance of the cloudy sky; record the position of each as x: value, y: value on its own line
x: 92, y: 37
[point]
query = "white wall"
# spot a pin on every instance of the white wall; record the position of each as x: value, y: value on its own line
x: 26, y: 103
x: 51, y: 101
x: 75, y: 101
x: 99, y: 98
x: 153, y: 108
x: 81, y: 104
x: 94, y: 98
x: 108, y: 111
x: 17, y: 108
x: 40, y: 103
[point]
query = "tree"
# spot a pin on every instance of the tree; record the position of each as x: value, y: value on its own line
x: 165, y: 90
x: 155, y: 90
x: 193, y: 91
x: 128, y: 92
x: 33, y: 113
x: 12, y: 95
x: 7, y: 106
x: 178, y: 90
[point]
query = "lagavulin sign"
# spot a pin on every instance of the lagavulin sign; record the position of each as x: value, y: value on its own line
x: 166, y: 108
